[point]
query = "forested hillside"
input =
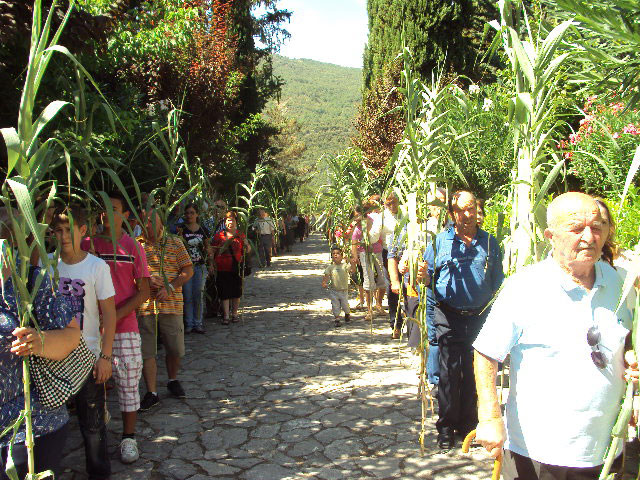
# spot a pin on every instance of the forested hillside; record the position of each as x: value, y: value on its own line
x: 324, y: 99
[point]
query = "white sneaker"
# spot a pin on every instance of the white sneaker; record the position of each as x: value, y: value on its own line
x: 129, y: 450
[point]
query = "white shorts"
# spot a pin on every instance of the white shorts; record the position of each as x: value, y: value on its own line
x: 339, y: 301
x: 375, y: 276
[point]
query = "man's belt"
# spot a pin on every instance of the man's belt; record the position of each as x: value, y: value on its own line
x: 463, y: 313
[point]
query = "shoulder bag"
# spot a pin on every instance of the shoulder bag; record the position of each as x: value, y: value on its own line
x: 58, y: 380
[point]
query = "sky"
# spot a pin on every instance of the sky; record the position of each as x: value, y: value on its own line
x: 332, y: 31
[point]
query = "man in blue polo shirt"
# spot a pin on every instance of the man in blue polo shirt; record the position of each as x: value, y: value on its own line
x: 463, y: 274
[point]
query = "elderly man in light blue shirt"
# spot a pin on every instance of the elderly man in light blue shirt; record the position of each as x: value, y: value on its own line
x: 565, y: 389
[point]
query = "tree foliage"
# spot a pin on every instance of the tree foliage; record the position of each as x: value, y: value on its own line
x: 150, y: 56
x: 379, y: 123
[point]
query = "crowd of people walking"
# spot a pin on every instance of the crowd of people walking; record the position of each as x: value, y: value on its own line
x: 564, y: 322
x: 121, y: 295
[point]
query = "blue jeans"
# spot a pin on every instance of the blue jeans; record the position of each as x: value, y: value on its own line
x: 192, y: 293
x: 433, y: 364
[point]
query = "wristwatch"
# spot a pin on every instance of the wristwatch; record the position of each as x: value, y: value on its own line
x: 105, y: 357
x: 171, y: 287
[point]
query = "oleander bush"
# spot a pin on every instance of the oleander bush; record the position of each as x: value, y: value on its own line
x: 599, y: 152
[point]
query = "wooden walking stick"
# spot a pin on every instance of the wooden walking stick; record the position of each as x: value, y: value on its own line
x: 497, y: 464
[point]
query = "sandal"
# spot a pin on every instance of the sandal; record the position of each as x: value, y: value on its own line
x: 235, y: 319
x: 225, y: 321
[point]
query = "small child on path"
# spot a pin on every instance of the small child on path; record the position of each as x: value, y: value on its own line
x: 336, y: 279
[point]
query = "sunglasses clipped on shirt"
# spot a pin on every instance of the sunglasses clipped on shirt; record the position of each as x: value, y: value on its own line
x: 593, y: 339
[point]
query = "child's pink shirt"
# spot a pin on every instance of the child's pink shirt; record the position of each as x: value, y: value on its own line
x: 130, y: 264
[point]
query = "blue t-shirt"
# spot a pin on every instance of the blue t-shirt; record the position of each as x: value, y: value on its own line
x: 52, y: 312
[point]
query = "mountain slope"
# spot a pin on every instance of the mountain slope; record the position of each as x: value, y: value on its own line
x: 324, y: 99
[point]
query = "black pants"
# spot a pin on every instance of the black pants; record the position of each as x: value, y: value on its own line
x: 212, y: 302
x: 266, y: 242
x: 410, y: 308
x: 90, y: 406
x: 457, y: 396
x: 519, y: 467
x: 47, y: 453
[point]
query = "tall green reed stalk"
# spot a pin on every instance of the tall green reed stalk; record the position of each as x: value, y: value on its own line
x: 432, y: 127
x: 274, y: 202
x: 246, y: 204
x: 349, y: 184
x: 183, y: 180
x: 535, y: 61
x: 29, y: 189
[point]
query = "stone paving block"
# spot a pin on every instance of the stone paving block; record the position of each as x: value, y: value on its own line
x: 337, y: 418
x: 306, y: 447
x: 331, y: 474
x: 176, y: 468
x: 331, y: 434
x: 241, y: 462
x: 224, y: 437
x: 215, y: 468
x: 299, y: 423
x: 292, y: 436
x: 170, y: 421
x: 268, y: 471
x: 140, y: 471
x: 265, y: 431
x: 188, y: 451
x: 349, y: 447
x: 256, y: 446
x: 380, y: 467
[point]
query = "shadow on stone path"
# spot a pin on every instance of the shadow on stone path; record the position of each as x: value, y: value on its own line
x: 286, y: 395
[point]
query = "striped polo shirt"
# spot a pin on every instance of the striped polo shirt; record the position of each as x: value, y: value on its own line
x: 175, y: 259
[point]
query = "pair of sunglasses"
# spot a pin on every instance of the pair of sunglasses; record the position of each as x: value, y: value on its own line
x: 593, y: 339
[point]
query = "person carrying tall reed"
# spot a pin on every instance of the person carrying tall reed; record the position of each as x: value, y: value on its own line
x: 565, y: 327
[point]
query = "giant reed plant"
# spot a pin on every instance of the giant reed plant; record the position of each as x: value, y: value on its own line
x: 432, y: 127
x: 535, y: 63
x: 29, y: 189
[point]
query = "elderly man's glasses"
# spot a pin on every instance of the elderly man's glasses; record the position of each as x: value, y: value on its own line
x: 593, y: 339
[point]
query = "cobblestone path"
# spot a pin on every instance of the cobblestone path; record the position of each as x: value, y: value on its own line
x: 286, y: 395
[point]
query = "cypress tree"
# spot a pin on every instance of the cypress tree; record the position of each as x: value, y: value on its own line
x: 437, y: 32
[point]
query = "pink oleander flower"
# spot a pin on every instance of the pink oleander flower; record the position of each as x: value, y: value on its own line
x: 587, y: 120
x: 631, y: 129
x: 617, y: 107
x: 574, y: 138
x: 616, y: 135
x: 562, y: 145
x: 338, y: 233
x: 589, y: 101
x: 568, y: 155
